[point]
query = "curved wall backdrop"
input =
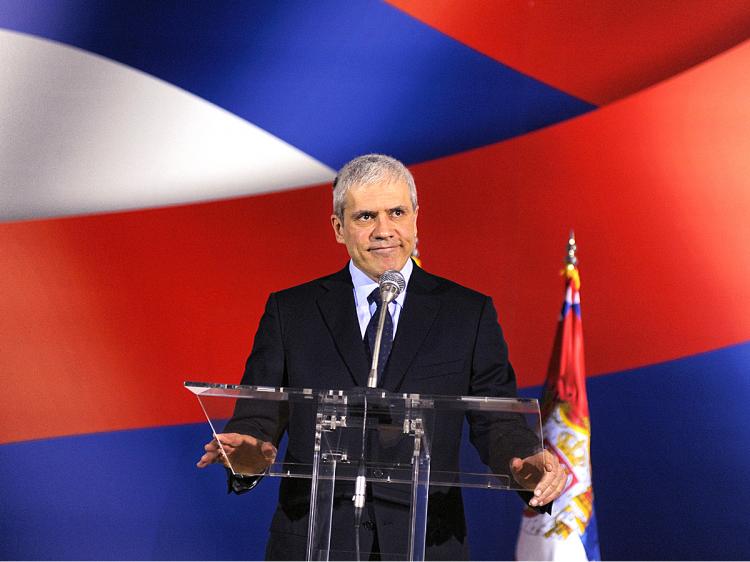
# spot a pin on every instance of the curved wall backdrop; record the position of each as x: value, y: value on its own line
x: 163, y: 167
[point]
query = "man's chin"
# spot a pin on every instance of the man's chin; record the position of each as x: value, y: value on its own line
x: 375, y: 270
x: 390, y: 264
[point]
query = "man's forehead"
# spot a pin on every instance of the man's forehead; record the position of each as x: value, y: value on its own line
x: 389, y: 193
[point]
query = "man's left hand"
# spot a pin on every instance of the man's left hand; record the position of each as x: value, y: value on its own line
x: 541, y: 473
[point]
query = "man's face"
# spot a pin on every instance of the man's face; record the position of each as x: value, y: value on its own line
x: 379, y: 226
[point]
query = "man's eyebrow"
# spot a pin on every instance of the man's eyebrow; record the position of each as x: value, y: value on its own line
x: 360, y: 212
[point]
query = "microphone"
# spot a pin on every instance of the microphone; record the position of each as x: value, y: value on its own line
x: 391, y: 284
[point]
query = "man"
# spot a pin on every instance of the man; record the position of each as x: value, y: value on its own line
x: 446, y: 340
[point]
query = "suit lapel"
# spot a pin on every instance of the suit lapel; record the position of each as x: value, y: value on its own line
x: 419, y: 312
x: 337, y: 307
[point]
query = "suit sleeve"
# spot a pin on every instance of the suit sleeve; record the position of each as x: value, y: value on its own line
x: 265, y: 420
x: 491, y: 371
x: 498, y: 437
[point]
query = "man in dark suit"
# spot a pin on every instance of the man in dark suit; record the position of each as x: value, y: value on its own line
x: 445, y: 340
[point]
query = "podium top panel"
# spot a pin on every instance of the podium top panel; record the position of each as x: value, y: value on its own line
x: 361, y: 395
x: 387, y: 435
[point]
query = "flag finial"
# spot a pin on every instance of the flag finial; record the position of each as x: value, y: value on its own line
x: 571, y: 262
x: 571, y: 259
x: 415, y: 253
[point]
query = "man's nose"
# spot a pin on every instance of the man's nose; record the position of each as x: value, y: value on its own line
x: 383, y: 227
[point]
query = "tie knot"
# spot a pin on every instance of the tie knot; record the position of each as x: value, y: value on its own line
x: 375, y: 296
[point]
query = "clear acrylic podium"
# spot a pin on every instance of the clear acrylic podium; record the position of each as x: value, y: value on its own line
x: 395, y: 441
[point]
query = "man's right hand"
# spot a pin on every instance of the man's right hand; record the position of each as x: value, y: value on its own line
x: 247, y: 455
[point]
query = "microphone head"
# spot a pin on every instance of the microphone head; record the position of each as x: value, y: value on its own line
x: 391, y: 284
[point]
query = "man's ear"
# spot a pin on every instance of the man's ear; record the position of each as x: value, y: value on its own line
x: 338, y: 228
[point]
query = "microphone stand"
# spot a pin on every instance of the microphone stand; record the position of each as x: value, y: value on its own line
x: 389, y: 290
x: 360, y: 484
x: 372, y: 378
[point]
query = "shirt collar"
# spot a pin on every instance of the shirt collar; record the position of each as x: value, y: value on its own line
x: 363, y: 285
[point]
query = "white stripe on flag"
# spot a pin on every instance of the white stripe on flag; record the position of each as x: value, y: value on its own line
x: 80, y: 133
x: 531, y: 546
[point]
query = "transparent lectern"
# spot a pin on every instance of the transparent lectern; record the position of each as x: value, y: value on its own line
x: 370, y: 443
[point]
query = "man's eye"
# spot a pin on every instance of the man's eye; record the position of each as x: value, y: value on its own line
x: 398, y: 212
x: 365, y: 216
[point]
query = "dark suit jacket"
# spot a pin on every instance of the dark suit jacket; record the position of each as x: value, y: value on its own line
x: 447, y: 342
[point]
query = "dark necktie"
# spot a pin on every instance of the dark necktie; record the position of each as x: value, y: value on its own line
x: 386, y: 342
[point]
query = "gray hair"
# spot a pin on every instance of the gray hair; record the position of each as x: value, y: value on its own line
x: 367, y: 170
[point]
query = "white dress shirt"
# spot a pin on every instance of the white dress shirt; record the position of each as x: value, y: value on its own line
x: 363, y: 286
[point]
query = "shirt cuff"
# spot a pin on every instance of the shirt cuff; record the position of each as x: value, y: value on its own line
x: 239, y: 484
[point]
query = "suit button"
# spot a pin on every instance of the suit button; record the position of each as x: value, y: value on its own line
x: 369, y: 525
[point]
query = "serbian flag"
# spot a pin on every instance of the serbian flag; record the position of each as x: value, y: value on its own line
x: 570, y: 532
